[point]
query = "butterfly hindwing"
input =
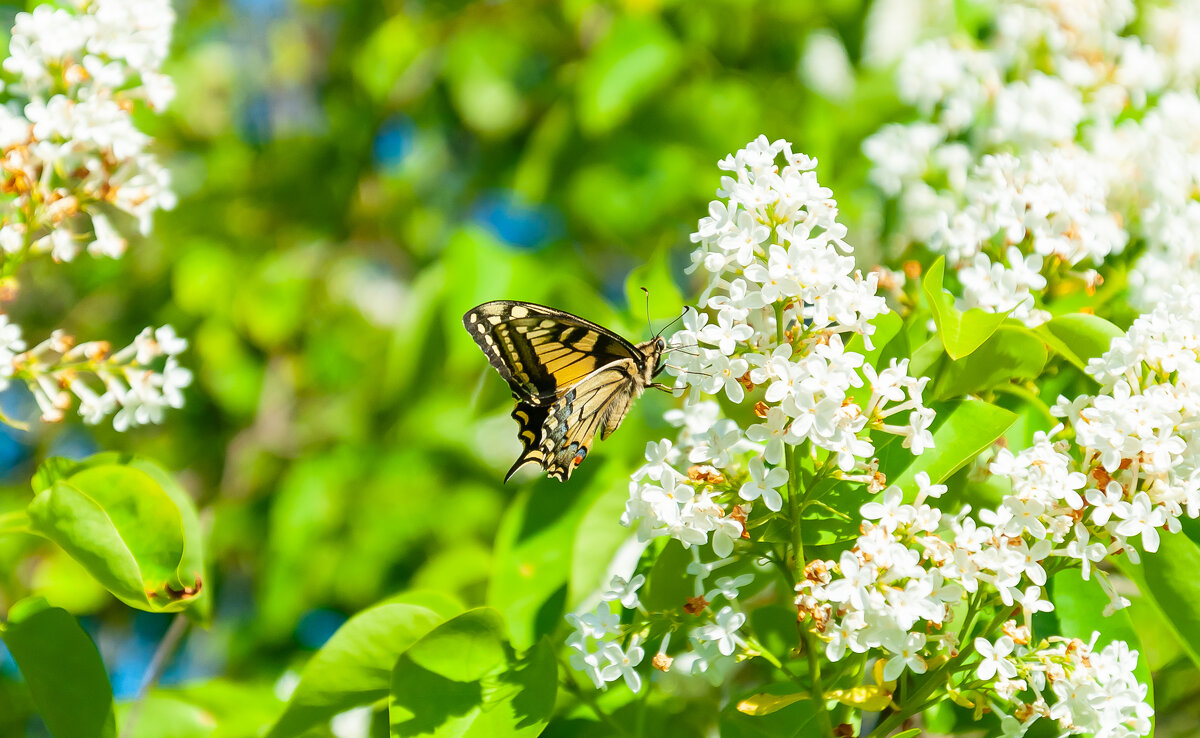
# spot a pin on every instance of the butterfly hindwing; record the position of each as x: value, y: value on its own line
x: 569, y: 426
x: 540, y: 351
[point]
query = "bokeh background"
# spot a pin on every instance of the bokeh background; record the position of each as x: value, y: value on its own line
x: 352, y: 177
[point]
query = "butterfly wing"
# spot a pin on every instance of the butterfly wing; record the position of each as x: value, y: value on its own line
x: 542, y: 352
x: 559, y: 436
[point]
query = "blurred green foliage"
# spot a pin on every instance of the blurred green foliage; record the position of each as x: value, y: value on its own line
x: 352, y: 177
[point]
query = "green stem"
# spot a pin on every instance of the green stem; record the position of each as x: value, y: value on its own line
x: 158, y: 662
x: 818, y: 689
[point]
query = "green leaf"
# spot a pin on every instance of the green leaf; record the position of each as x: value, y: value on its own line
x: 765, y: 703
x: 667, y: 585
x: 635, y: 58
x: 529, y: 580
x: 444, y: 605
x: 1010, y: 353
x: 1168, y: 579
x: 463, y: 680
x: 961, y: 333
x: 836, y: 519
x: 128, y: 523
x: 1079, y: 336
x: 970, y: 426
x: 355, y: 666
x: 787, y: 721
x: 62, y: 669
x: 594, y: 544
x: 1078, y: 606
x: 158, y: 713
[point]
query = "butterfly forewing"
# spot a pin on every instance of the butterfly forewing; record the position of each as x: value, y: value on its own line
x: 571, y: 378
x: 540, y: 351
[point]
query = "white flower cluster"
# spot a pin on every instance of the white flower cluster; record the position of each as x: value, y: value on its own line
x: 74, y: 166
x: 785, y: 293
x: 912, y: 564
x: 1048, y: 147
x: 1140, y: 438
x: 134, y: 384
x: 714, y: 635
x: 1132, y: 469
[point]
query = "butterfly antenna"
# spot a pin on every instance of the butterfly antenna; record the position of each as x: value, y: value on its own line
x: 686, y: 308
x: 648, y: 323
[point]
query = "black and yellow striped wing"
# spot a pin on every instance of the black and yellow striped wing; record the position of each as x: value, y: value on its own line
x: 542, y: 352
x: 571, y: 378
x: 559, y: 436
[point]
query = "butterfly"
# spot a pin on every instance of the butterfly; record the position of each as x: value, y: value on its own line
x: 569, y: 376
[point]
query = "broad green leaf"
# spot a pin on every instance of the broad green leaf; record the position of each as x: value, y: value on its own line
x: 444, y: 605
x: 792, y: 720
x: 51, y: 470
x: 463, y: 680
x: 886, y: 340
x: 533, y: 552
x: 961, y: 333
x: 1008, y: 354
x: 159, y: 714
x: 870, y: 697
x: 970, y: 426
x: 836, y: 517
x: 62, y: 670
x: 1168, y: 579
x: 594, y: 544
x: 1078, y: 607
x: 355, y: 666
x: 667, y: 585
x: 926, y: 356
x: 129, y: 525
x: 765, y: 704
x: 1079, y: 336
x: 637, y: 56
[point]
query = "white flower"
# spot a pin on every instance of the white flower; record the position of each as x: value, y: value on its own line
x: 723, y: 633
x: 764, y: 483
x: 995, y: 661
x: 1142, y: 518
x: 624, y: 591
x: 907, y: 650
x: 728, y: 587
x: 621, y: 663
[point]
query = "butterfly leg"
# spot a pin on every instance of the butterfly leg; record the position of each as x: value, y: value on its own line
x: 661, y: 386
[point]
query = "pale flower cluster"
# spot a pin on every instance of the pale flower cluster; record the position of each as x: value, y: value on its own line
x: 1139, y: 437
x: 787, y: 302
x: 75, y: 174
x: 713, y: 631
x: 134, y: 385
x: 786, y: 299
x: 1132, y: 469
x: 75, y: 168
x: 1053, y: 144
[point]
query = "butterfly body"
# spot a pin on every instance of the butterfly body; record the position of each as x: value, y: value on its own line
x: 571, y: 378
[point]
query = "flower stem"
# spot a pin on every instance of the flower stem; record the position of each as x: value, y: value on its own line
x: 162, y: 654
